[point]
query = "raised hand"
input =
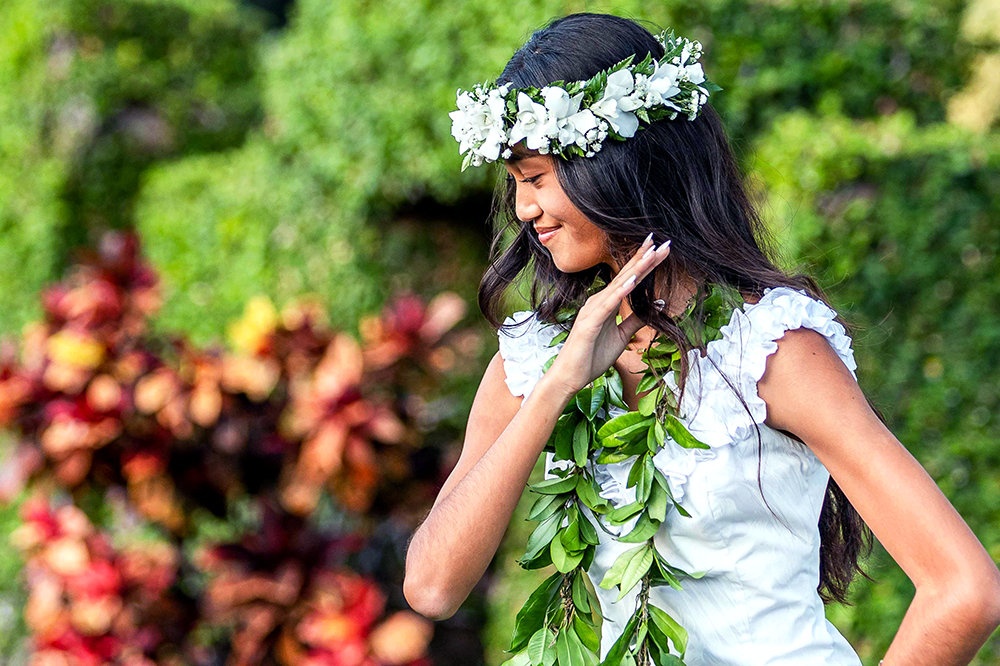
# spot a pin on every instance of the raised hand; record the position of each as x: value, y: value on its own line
x: 596, y: 341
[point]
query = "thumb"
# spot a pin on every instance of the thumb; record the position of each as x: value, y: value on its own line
x: 630, y: 326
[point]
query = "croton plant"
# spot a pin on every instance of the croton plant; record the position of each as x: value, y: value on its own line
x: 189, y: 506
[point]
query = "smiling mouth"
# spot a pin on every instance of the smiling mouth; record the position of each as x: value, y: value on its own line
x: 546, y: 234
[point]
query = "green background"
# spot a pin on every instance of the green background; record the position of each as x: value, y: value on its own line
x: 256, y: 157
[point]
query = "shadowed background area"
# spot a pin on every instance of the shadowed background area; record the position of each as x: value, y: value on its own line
x: 238, y: 271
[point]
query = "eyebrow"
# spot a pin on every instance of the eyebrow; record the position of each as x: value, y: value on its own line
x: 519, y: 157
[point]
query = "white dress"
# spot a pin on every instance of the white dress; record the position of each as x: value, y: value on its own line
x: 757, y: 604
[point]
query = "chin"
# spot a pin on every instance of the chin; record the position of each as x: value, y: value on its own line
x: 571, y: 264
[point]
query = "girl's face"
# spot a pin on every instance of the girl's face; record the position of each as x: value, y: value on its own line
x: 577, y: 244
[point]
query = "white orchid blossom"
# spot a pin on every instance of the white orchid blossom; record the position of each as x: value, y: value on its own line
x: 530, y: 124
x: 613, y: 109
x: 663, y: 83
x: 694, y: 73
x: 578, y: 117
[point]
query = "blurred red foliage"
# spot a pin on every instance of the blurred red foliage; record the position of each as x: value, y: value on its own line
x: 293, y: 413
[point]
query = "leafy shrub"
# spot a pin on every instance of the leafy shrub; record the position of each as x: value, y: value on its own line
x: 91, y: 93
x: 196, y: 506
x: 900, y: 221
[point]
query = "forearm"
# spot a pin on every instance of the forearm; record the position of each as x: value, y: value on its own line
x: 451, y: 549
x: 942, y: 628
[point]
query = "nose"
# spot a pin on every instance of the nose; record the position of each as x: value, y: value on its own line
x: 526, y: 206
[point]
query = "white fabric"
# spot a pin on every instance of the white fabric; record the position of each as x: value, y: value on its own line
x: 757, y: 604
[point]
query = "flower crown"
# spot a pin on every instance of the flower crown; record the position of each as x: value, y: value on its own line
x: 575, y: 118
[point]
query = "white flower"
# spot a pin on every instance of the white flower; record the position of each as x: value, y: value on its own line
x: 663, y: 82
x: 694, y: 73
x: 565, y: 121
x: 619, y: 85
x: 685, y: 53
x: 558, y: 102
x: 478, y: 125
x: 506, y: 153
x: 631, y: 102
x: 582, y: 121
x: 530, y: 123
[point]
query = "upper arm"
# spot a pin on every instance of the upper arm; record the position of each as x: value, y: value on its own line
x: 810, y: 392
x: 492, y: 410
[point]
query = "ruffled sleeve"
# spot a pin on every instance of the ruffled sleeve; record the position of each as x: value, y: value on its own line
x: 751, y: 336
x: 710, y: 410
x: 524, y: 350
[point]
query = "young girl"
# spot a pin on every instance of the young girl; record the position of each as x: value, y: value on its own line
x: 634, y: 183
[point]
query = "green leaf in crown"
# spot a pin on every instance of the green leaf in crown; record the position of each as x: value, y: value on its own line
x: 561, y: 621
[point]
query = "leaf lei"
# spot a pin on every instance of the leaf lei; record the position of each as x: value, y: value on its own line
x: 558, y: 623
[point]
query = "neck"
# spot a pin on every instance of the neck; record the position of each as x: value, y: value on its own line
x: 678, y: 303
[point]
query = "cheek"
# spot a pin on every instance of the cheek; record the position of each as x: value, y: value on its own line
x: 587, y: 239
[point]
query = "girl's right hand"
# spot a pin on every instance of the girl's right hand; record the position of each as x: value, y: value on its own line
x: 596, y: 341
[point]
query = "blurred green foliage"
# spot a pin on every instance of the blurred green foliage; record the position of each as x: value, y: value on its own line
x: 93, y: 92
x: 870, y: 58
x: 337, y: 123
x: 901, y: 222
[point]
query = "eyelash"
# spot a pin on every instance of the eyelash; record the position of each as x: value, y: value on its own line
x: 526, y: 180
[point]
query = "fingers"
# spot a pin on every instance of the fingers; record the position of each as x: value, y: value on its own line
x: 626, y: 270
x: 650, y: 258
x: 630, y: 326
x: 638, y: 268
x: 609, y: 299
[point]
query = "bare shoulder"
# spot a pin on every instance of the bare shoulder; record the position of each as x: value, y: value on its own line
x: 492, y: 411
x: 804, y: 377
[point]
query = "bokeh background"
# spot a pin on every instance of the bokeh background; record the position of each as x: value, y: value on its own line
x: 238, y: 268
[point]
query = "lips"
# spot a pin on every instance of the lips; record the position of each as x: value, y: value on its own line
x: 545, y: 233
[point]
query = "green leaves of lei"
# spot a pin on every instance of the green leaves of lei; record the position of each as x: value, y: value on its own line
x: 560, y: 623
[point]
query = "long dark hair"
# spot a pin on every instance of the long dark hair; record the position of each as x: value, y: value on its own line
x: 679, y: 180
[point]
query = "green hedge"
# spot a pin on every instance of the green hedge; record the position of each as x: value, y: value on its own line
x: 353, y: 110
x: 365, y: 99
x: 224, y: 228
x: 901, y: 223
x: 91, y: 93
x: 870, y: 58
x: 337, y: 122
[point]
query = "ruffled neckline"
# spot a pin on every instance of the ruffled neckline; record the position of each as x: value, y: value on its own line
x: 711, y: 411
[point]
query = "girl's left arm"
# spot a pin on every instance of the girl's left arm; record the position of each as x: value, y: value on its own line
x: 810, y: 393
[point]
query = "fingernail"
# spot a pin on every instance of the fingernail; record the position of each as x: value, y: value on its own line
x: 649, y: 252
x: 648, y: 238
x: 667, y: 244
x: 628, y: 282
